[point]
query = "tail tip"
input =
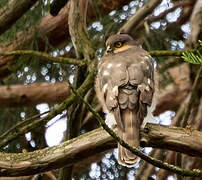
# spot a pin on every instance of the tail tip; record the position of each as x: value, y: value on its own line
x: 129, y: 163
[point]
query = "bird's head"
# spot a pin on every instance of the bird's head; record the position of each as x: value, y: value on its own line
x: 119, y: 42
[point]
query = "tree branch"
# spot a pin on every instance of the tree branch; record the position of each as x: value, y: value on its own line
x: 65, y: 154
x: 171, y: 52
x: 45, y: 56
x: 97, y: 141
x: 12, y: 11
x: 83, y: 48
x: 183, y: 140
x: 24, y: 128
x: 54, y: 28
x: 136, y: 151
x: 32, y: 94
x: 79, y: 62
x: 78, y: 30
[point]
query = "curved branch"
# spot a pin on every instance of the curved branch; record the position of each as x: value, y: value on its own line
x: 78, y: 30
x: 83, y: 48
x: 97, y: 141
x: 65, y: 154
x: 136, y: 151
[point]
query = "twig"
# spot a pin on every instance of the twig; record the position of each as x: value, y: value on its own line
x: 80, y: 63
x: 66, y: 154
x: 147, y: 169
x: 22, y: 129
x: 22, y: 123
x: 151, y: 160
x: 46, y: 56
x: 170, y: 53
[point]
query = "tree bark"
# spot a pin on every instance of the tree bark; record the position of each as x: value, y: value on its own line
x: 196, y: 24
x: 97, y: 141
x: 12, y: 11
x: 32, y: 94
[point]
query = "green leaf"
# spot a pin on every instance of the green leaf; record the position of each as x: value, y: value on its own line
x: 194, y: 58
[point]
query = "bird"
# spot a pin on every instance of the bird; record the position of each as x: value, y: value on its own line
x: 125, y: 88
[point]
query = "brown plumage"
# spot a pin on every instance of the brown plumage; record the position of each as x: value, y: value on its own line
x: 125, y: 87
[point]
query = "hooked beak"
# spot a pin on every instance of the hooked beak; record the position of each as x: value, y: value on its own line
x: 109, y: 49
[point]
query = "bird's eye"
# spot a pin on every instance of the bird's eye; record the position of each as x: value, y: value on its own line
x: 118, y: 44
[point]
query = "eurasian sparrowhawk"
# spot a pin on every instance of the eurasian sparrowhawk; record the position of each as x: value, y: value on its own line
x: 125, y: 88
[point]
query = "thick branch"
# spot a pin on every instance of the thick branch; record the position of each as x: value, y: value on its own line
x: 70, y: 152
x: 32, y: 94
x: 196, y: 21
x: 83, y: 48
x: 13, y: 10
x: 184, y: 140
x: 65, y: 154
x: 78, y: 29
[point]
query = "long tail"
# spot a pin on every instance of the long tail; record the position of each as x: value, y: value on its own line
x: 130, y: 134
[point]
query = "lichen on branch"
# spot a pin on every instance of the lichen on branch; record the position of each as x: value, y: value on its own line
x: 46, y: 56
